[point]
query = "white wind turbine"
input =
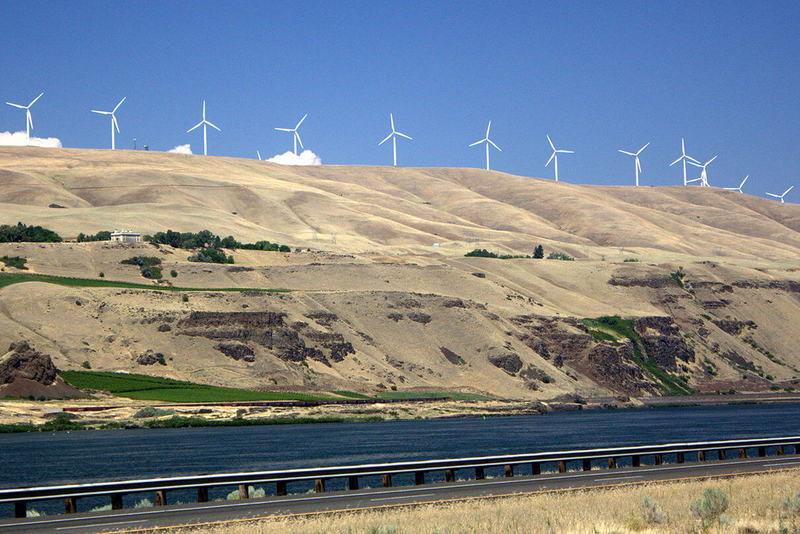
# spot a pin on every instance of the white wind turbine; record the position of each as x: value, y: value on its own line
x: 684, y: 158
x: 703, y: 179
x: 781, y: 196
x: 114, y: 123
x: 28, y: 118
x: 554, y: 156
x: 204, y: 123
x: 487, y: 141
x: 296, y: 135
x: 393, y: 136
x: 739, y: 189
x: 637, y: 165
x: 258, y: 153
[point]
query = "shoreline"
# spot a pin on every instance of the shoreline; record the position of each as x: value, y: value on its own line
x: 115, y: 413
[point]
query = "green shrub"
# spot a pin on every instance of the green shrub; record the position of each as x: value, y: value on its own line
x: 792, y: 505
x: 710, y: 506
x: 151, y: 272
x: 173, y: 273
x: 630, y: 260
x: 185, y: 298
x: 151, y: 411
x: 101, y: 274
x: 652, y: 512
x: 210, y: 255
x: 206, y: 239
x: 86, y: 364
x: 480, y: 253
x: 15, y: 261
x: 560, y: 256
x: 142, y: 261
x: 24, y: 233
x: 104, y: 235
x: 252, y: 492
x: 678, y: 276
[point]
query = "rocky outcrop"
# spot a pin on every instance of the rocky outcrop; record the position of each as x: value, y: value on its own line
x: 732, y: 326
x: 508, y: 362
x: 236, y: 351
x: 663, y: 342
x: 150, y: 358
x: 25, y: 372
x: 451, y: 356
x: 655, y: 282
x: 612, y: 367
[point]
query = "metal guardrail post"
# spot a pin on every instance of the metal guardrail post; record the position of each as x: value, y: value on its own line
x: 635, y: 460
x: 721, y: 454
x: 161, y: 498
x: 449, y: 475
x: 780, y: 450
x: 352, y: 483
x: 202, y: 495
x: 70, y: 506
x: 20, y: 509
x: 319, y: 485
x: 612, y: 462
x: 244, y: 491
x: 280, y: 488
x: 479, y: 475
x: 587, y: 464
x: 508, y: 470
x: 536, y: 469
x: 387, y: 480
x: 701, y: 456
x: 762, y: 451
x: 562, y: 466
x: 680, y: 458
x: 742, y: 452
x: 419, y: 477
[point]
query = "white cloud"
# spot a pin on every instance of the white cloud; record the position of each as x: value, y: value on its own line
x: 306, y: 157
x: 182, y: 149
x: 21, y: 139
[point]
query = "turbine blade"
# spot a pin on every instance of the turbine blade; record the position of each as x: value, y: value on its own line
x: 35, y: 99
x: 626, y: 152
x: 640, y: 150
x: 391, y: 121
x: 683, y: 147
x: 195, y: 126
x: 494, y: 145
x: 561, y: 151
x: 16, y: 105
x: 478, y: 142
x: 487, y: 129
x: 284, y: 129
x: 29, y: 118
x: 743, y: 181
x: 298, y: 139
x: 389, y: 137
x: 204, y: 110
x: 403, y: 135
x: 638, y: 165
x: 213, y: 126
x: 120, y: 103
x: 690, y: 158
x: 301, y: 121
x: 259, y: 155
x: 551, y: 143
x: 676, y: 161
x: 694, y: 163
x: 101, y: 112
x: 551, y: 158
x: 712, y: 159
x: 114, y: 120
x: 774, y: 195
x: 784, y: 193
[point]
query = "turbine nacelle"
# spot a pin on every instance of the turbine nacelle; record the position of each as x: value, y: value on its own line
x: 393, y: 136
x: 114, y: 123
x: 28, y: 117
x: 488, y: 142
x: 204, y: 123
x: 739, y: 189
x: 296, y: 135
x: 554, y: 155
x: 781, y: 196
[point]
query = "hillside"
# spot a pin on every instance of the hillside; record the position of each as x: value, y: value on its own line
x: 385, y: 298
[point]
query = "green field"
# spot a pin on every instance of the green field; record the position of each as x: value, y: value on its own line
x: 143, y: 387
x: 7, y: 279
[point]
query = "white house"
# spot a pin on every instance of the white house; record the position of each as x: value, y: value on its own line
x: 126, y: 236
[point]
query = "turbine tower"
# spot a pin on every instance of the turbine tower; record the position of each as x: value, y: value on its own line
x: 205, y: 124
x: 781, y: 196
x: 554, y: 155
x: 739, y: 189
x: 637, y: 165
x: 114, y: 123
x: 487, y: 141
x: 684, y: 158
x: 28, y: 119
x: 258, y: 153
x: 703, y: 179
x: 296, y: 135
x: 394, y: 135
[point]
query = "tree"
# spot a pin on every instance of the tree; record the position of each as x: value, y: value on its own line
x: 538, y: 252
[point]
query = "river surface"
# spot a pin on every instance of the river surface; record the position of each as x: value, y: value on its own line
x: 37, y: 458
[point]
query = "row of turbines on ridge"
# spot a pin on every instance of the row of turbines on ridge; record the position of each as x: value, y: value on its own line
x: 394, y: 134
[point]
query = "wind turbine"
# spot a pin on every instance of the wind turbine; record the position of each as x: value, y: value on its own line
x: 684, y: 158
x: 258, y: 153
x: 296, y: 135
x: 739, y: 189
x: 781, y: 196
x: 205, y: 124
x: 554, y: 156
x: 394, y: 135
x: 703, y: 174
x: 487, y: 141
x: 114, y: 123
x: 28, y: 119
x: 637, y: 165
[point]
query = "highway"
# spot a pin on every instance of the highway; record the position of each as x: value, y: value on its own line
x: 153, y: 518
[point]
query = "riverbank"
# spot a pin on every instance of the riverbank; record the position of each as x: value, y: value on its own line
x: 104, y: 411
x: 755, y: 503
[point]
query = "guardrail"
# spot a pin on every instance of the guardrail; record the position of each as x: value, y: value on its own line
x: 20, y: 497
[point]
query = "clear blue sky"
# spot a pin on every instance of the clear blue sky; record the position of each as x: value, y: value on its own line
x: 596, y: 76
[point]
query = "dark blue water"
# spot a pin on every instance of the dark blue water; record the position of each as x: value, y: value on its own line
x: 34, y: 459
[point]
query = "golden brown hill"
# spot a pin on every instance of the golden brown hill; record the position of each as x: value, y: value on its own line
x: 376, y: 305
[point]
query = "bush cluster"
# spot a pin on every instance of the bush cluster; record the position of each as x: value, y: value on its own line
x: 148, y: 265
x: 24, y: 233
x: 208, y: 240
x: 210, y: 255
x: 560, y: 256
x: 103, y: 235
x: 15, y: 261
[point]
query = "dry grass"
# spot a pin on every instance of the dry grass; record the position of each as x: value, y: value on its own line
x: 757, y: 504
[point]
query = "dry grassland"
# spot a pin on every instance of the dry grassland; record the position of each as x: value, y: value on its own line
x: 758, y: 503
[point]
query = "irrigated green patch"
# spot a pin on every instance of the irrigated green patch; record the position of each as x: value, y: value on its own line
x: 145, y: 387
x: 669, y: 383
x: 7, y: 279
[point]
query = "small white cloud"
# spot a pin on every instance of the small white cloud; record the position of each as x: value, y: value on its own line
x: 306, y: 157
x: 182, y: 149
x: 21, y: 139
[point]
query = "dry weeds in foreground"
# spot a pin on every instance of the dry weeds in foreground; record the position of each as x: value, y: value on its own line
x: 757, y: 504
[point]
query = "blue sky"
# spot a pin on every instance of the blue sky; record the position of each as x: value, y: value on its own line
x: 596, y: 76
